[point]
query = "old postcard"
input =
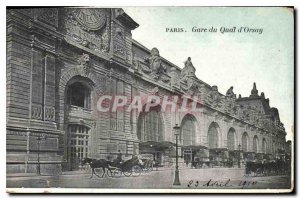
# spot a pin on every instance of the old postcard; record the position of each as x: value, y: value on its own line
x: 150, y: 100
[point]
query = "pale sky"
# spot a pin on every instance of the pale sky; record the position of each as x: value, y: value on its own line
x: 232, y: 59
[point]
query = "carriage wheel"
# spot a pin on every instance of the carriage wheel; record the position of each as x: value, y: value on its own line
x: 136, y: 170
x: 98, y: 172
x: 127, y: 173
x: 197, y: 166
x: 114, y: 173
x: 110, y: 172
x: 149, y: 168
x: 259, y: 172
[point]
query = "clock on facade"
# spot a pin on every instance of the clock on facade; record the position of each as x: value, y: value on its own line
x: 90, y: 19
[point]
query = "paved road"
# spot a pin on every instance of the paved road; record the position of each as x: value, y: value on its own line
x: 190, y: 179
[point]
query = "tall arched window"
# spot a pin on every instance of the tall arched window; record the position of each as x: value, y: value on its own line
x: 213, y: 136
x: 255, y: 144
x: 245, y: 142
x: 188, y: 130
x: 79, y: 95
x: 231, y: 139
x: 150, y: 126
x: 264, y: 146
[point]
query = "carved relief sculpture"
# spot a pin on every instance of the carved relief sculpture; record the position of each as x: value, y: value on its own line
x: 187, y: 74
x: 84, y: 65
x: 174, y: 77
x: 230, y: 93
x: 155, y: 64
x: 88, y: 28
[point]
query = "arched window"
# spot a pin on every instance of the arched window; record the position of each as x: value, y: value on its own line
x: 264, y: 146
x: 150, y: 126
x: 231, y: 139
x: 245, y: 142
x: 79, y: 95
x: 213, y: 136
x: 255, y: 144
x: 188, y: 130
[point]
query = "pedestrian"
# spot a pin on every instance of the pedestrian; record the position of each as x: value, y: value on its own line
x: 119, y: 157
x: 187, y: 162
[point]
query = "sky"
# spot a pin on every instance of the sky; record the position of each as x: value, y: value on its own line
x: 228, y: 59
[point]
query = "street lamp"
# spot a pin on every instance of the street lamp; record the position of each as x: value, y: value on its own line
x: 239, y: 158
x: 176, y: 179
x: 39, y: 139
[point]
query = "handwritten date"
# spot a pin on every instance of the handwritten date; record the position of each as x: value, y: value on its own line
x: 221, y: 184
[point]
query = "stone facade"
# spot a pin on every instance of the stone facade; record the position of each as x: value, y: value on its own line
x: 52, y: 52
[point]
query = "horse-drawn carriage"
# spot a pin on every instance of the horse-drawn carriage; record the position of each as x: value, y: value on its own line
x: 198, y: 163
x: 131, y: 167
x: 278, y: 167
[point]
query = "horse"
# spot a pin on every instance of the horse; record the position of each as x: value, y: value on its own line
x: 94, y: 163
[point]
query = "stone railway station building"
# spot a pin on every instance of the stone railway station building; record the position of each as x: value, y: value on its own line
x: 60, y: 61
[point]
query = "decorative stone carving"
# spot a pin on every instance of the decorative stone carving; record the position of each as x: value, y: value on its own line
x: 214, y: 97
x: 135, y: 62
x: 119, y: 42
x: 47, y: 15
x: 90, y: 19
x: 155, y: 63
x: 202, y: 93
x: 222, y: 104
x: 230, y: 93
x: 36, y: 111
x: 49, y: 114
x: 105, y: 42
x: 188, y: 70
x: 175, y: 82
x: 89, y: 28
x: 84, y: 64
x: 254, y: 91
x: 187, y: 74
x: 239, y: 112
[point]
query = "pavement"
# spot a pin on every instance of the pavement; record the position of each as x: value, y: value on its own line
x: 163, y: 178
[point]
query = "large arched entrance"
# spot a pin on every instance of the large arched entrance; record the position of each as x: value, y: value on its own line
x: 248, y: 155
x: 245, y: 142
x: 188, y: 138
x: 150, y: 126
x: 217, y: 155
x: 231, y: 139
x: 150, y: 131
x: 232, y: 148
x: 255, y: 144
x: 213, y: 136
x: 188, y: 131
x: 264, y: 146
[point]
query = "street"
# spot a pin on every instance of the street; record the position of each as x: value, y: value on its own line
x: 212, y: 178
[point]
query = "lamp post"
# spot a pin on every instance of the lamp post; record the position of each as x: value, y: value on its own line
x: 39, y: 139
x: 239, y: 158
x: 176, y: 179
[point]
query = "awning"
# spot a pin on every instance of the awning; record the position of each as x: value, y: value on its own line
x: 218, y: 150
x: 157, y: 145
x: 194, y: 147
